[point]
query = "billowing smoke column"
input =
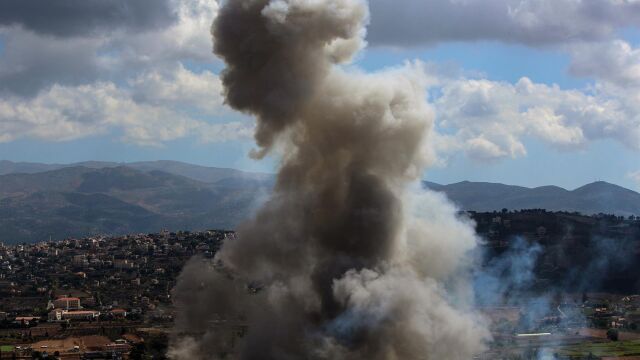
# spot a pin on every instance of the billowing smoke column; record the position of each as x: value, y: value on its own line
x: 349, y: 262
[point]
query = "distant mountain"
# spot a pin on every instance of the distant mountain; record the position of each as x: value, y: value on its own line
x: 57, y: 200
x: 195, y: 172
x: 81, y: 201
x: 597, y: 197
x: 10, y: 167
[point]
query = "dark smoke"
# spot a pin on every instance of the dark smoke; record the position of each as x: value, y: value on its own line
x: 344, y: 261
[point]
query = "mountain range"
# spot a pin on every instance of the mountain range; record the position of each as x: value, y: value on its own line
x: 59, y: 201
x: 42, y: 201
x: 593, y: 198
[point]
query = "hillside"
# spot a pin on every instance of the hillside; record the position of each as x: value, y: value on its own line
x: 594, y: 198
x: 41, y: 200
x: 80, y: 201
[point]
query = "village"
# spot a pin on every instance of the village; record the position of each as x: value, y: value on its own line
x: 110, y: 297
x: 97, y: 297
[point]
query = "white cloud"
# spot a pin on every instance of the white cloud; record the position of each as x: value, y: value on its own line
x: 124, y: 80
x: 69, y: 112
x: 188, y: 39
x: 137, y: 83
x: 615, y: 62
x: 32, y: 61
x: 180, y: 88
x: 490, y: 120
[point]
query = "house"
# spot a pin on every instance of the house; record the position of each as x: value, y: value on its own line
x: 60, y: 315
x: 81, y: 315
x: 67, y: 303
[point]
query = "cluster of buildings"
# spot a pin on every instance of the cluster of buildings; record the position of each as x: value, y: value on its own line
x: 68, y: 308
x: 94, y: 283
x: 120, y: 287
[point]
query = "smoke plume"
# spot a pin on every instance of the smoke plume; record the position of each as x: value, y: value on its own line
x: 348, y: 259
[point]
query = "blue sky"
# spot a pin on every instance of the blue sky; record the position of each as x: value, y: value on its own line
x: 163, y: 82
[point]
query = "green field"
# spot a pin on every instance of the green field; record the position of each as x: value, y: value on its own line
x: 6, y: 348
x: 613, y: 348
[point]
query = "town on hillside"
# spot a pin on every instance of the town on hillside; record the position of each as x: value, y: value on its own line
x: 97, y: 297
x: 110, y: 297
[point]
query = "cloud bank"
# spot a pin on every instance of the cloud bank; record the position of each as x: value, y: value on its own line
x: 72, y: 69
x: 156, y: 55
x: 529, y: 22
x: 490, y: 120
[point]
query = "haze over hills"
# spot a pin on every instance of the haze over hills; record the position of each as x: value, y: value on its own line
x: 42, y: 200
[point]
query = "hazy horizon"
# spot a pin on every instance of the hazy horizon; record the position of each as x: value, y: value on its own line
x: 426, y: 178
